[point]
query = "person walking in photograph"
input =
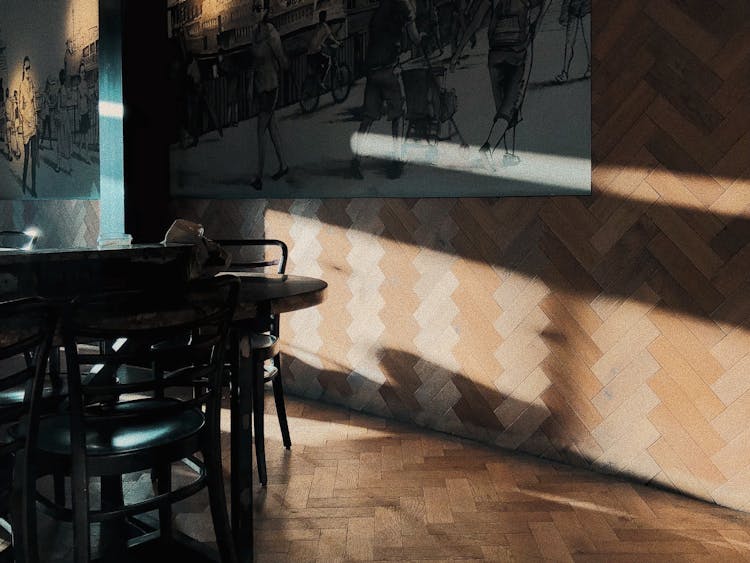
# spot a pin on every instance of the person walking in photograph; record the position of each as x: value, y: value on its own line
x: 16, y: 126
x: 317, y: 58
x: 227, y: 72
x: 69, y: 57
x: 84, y: 121
x: 28, y: 113
x: 45, y: 114
x: 382, y: 85
x: 572, y: 15
x: 64, y: 124
x: 268, y: 61
x: 8, y: 123
x: 513, y: 25
x: 3, y: 132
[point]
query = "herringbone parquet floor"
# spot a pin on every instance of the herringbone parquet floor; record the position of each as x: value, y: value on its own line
x: 360, y: 488
x: 356, y: 487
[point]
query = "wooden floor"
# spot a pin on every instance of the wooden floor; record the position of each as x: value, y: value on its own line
x: 355, y: 487
x: 360, y: 488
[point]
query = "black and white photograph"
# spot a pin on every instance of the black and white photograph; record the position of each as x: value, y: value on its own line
x: 397, y: 98
x: 49, y: 140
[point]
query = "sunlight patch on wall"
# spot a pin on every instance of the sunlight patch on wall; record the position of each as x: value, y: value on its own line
x: 561, y: 174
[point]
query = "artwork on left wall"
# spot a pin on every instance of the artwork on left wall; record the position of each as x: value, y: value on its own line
x: 49, y: 92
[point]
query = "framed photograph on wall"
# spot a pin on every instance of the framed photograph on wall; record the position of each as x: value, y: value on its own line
x: 49, y: 92
x: 392, y: 98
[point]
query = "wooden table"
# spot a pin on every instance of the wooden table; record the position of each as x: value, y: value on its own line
x: 261, y: 295
x: 67, y: 272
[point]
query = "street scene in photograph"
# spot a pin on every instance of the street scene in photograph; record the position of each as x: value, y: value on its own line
x: 49, y: 92
x: 396, y: 98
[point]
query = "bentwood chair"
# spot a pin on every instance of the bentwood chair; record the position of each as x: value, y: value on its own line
x: 26, y: 330
x: 111, y: 427
x: 248, y: 255
x: 26, y: 240
x: 19, y: 240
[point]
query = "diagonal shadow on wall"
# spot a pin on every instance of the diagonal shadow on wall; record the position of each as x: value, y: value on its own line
x: 476, y: 405
x: 697, y: 261
x: 410, y: 394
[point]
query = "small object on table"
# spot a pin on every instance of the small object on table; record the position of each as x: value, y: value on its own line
x: 19, y: 240
x: 208, y: 257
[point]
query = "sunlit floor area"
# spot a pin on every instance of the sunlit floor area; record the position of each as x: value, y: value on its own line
x: 360, y: 488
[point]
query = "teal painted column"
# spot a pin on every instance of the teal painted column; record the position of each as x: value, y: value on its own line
x: 111, y: 113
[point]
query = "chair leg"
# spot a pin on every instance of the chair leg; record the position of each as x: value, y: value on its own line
x: 23, y: 512
x: 235, y: 421
x: 54, y: 369
x: 242, y: 449
x: 218, y: 503
x: 258, y: 409
x: 15, y: 515
x: 79, y: 484
x: 163, y: 474
x: 278, y: 395
x: 58, y: 484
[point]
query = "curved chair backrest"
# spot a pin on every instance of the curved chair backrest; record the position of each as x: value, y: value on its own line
x: 246, y: 257
x: 26, y: 330
x: 21, y: 240
x: 147, y: 328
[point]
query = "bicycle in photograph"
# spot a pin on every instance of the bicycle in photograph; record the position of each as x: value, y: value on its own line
x: 336, y: 78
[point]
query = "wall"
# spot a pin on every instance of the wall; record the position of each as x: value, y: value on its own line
x: 607, y: 331
x: 62, y: 223
x: 67, y: 173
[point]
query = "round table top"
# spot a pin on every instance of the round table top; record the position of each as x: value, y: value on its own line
x: 282, y: 292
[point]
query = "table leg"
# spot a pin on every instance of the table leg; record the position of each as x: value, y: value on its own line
x: 234, y: 418
x: 241, y: 438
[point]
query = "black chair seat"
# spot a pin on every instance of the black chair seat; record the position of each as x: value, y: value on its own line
x: 124, y: 435
x: 12, y: 397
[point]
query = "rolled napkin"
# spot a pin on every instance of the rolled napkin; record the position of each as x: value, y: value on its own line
x: 183, y: 231
x: 208, y: 258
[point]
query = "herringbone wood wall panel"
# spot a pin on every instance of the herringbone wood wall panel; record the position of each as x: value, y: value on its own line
x: 63, y: 223
x: 609, y: 331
